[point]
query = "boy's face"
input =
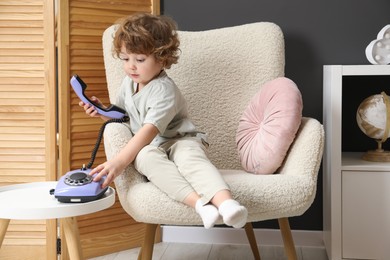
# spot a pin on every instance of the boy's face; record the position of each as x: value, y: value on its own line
x: 140, y: 68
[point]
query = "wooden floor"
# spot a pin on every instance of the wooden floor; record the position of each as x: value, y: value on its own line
x: 179, y: 251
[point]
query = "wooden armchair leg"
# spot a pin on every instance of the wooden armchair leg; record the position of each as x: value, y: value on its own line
x: 288, y: 241
x: 252, y: 240
x: 146, y: 252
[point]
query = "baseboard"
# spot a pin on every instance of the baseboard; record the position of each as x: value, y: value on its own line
x: 218, y: 235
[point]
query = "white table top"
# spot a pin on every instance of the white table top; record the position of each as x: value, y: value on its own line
x: 33, y: 201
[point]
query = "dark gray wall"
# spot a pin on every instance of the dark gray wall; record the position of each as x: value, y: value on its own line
x: 316, y: 33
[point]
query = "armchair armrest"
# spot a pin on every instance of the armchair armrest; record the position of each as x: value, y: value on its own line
x: 304, y: 155
x: 116, y: 136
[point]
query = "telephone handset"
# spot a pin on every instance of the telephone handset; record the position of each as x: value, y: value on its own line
x: 79, y: 88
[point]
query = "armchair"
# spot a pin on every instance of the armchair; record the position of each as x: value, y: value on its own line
x: 218, y: 72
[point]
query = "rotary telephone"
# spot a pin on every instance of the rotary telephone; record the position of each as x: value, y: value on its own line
x: 77, y: 185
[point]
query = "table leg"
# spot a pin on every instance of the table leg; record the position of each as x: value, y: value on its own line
x: 3, y: 229
x: 72, y: 236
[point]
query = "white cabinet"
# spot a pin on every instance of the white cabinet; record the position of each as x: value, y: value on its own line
x: 365, y: 196
x: 356, y: 193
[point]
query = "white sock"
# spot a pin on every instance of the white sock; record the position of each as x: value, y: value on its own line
x: 233, y: 213
x: 209, y: 214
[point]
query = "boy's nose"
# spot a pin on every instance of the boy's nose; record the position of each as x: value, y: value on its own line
x: 131, y: 66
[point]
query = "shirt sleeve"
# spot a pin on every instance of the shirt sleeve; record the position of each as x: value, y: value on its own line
x: 161, y: 107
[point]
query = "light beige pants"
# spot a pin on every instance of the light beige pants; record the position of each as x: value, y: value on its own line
x: 179, y: 167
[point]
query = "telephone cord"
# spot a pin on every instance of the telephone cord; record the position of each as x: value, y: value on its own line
x: 100, y: 136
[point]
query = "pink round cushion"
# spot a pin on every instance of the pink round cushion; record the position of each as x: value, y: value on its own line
x: 268, y: 126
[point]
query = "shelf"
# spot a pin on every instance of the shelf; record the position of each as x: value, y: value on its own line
x: 363, y: 70
x: 352, y: 162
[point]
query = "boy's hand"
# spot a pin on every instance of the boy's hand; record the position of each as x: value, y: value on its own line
x: 91, y: 111
x: 111, y: 169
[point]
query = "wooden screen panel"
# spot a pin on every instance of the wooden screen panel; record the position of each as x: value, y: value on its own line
x: 27, y: 116
x: 87, y: 21
x: 82, y: 24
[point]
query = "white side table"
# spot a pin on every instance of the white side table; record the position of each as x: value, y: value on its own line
x: 33, y: 201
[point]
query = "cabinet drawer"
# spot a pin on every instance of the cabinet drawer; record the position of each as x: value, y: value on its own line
x: 365, y: 214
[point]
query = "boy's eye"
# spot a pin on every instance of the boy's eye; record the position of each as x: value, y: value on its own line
x: 124, y: 58
x: 140, y: 60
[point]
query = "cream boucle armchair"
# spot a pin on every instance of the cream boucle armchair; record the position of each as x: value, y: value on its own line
x: 218, y: 72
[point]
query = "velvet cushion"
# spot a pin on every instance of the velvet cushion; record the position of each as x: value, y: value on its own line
x: 268, y: 126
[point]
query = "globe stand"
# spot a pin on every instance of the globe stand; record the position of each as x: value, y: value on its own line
x: 378, y: 155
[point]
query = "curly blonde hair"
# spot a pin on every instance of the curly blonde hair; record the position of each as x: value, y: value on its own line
x: 150, y: 35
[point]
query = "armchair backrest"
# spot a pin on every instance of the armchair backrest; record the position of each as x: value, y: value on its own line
x: 218, y: 72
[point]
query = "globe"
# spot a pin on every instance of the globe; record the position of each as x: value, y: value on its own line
x: 371, y: 117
